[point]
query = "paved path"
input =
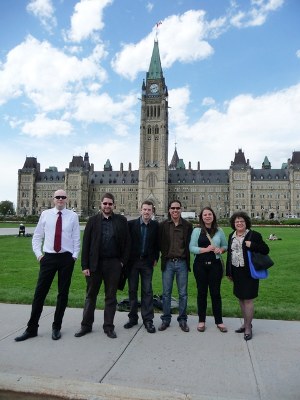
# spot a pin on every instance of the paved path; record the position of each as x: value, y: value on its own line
x: 138, y: 365
x: 29, y: 229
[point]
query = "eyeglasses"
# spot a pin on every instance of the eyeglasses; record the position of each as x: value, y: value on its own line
x: 60, y: 197
x: 107, y: 204
x: 175, y: 208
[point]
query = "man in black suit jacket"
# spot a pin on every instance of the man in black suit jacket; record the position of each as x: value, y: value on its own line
x: 143, y: 257
x: 105, y: 250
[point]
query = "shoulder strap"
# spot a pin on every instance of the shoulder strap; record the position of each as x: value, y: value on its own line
x: 209, y: 238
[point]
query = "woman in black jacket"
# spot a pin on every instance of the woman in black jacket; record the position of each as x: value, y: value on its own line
x: 245, y: 288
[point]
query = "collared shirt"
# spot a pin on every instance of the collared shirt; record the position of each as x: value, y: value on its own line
x: 108, y: 241
x: 45, y: 231
x: 237, y: 255
x: 176, y: 245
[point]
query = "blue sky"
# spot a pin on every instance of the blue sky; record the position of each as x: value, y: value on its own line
x: 71, y: 75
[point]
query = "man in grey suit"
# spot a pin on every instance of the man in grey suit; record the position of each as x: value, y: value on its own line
x: 105, y: 251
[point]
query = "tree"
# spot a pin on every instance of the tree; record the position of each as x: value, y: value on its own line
x: 6, y: 208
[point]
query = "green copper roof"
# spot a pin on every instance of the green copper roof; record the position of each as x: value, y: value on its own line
x: 155, y: 70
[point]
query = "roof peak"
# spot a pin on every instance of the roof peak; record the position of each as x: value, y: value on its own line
x: 155, y: 70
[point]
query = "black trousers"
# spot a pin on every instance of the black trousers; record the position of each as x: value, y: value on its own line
x: 63, y: 264
x: 109, y: 272
x: 209, y: 277
x: 141, y: 268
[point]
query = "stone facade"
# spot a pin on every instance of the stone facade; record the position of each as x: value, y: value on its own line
x: 262, y: 193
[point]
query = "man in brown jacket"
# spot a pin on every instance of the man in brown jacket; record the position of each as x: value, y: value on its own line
x: 174, y: 237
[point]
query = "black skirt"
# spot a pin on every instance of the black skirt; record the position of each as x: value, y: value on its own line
x: 244, y: 286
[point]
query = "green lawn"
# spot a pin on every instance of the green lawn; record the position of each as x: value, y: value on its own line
x: 278, y: 295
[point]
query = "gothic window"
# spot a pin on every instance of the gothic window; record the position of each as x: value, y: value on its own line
x: 151, y: 181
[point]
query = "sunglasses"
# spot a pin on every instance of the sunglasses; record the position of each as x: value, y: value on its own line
x: 107, y: 204
x: 60, y: 197
x: 175, y: 208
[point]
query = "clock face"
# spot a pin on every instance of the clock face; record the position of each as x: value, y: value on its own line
x: 154, y: 88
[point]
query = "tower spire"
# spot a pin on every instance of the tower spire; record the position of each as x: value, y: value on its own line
x: 155, y: 70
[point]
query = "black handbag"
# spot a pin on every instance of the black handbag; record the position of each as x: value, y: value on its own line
x: 261, y: 261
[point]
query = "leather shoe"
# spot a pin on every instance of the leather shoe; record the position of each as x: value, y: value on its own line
x: 83, y: 331
x: 184, y: 326
x: 26, y: 335
x: 150, y: 327
x: 248, y: 336
x: 111, y: 334
x: 56, y: 334
x: 163, y: 326
x: 130, y: 324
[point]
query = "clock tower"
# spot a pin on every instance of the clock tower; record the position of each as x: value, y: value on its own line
x: 154, y: 132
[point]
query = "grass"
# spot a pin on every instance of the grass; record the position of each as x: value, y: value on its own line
x: 278, y: 295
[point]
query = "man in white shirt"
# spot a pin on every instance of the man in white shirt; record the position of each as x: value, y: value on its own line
x: 58, y: 231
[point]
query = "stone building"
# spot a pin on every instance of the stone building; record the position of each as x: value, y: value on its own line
x: 263, y: 193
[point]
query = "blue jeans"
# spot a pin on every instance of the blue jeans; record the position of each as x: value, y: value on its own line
x: 178, y: 268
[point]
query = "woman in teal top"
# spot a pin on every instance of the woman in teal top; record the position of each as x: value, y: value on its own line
x: 208, y: 242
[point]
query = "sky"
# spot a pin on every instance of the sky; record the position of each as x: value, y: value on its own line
x: 71, y: 74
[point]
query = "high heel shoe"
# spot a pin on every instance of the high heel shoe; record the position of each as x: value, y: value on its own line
x: 248, y: 336
x: 241, y: 329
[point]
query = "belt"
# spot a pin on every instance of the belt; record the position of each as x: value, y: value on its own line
x: 175, y: 259
x: 143, y: 257
x: 207, y: 262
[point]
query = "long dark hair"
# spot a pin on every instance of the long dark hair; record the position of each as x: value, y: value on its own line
x: 214, y: 224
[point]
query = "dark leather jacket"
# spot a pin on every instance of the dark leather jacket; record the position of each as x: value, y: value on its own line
x: 90, y: 254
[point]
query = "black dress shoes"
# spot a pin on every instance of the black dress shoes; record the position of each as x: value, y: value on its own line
x: 163, y: 326
x: 83, y: 331
x: 56, y: 334
x: 111, y: 334
x: 130, y: 324
x: 184, y: 326
x: 150, y: 327
x: 26, y: 335
x: 248, y: 336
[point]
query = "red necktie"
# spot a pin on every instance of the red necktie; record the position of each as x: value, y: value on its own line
x: 58, y: 229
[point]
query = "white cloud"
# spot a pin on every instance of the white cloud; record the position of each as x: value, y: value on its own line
x: 178, y: 101
x: 186, y: 32
x: 298, y: 53
x: 256, y: 15
x: 43, y: 10
x: 208, y: 101
x: 102, y: 109
x: 272, y: 120
x: 46, y: 75
x: 149, y: 7
x: 42, y: 126
x: 87, y: 19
